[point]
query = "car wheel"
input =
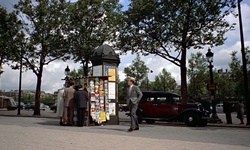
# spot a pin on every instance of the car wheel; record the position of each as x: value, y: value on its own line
x: 203, y: 123
x: 150, y: 121
x: 139, y: 116
x: 191, y: 119
x: 9, y: 108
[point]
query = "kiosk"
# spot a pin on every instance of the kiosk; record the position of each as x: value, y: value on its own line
x: 104, y: 85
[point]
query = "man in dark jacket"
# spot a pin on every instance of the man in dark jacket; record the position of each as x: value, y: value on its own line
x: 81, y: 98
x: 227, y: 109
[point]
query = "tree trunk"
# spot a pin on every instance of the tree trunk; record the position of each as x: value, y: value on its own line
x: 85, y: 68
x: 183, y: 70
x: 38, y: 92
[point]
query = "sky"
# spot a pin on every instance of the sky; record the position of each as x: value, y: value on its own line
x: 54, y: 72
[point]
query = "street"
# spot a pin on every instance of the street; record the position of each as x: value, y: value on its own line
x: 45, y: 133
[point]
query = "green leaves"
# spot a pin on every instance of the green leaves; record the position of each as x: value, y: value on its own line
x: 164, y: 82
x: 169, y: 28
x: 137, y: 69
x: 154, y: 27
x: 9, y: 30
x: 90, y: 24
x: 198, y: 75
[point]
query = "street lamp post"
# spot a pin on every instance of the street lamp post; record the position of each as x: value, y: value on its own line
x: 66, y: 72
x: 209, y: 56
x: 20, y: 84
x: 244, y: 66
x: 148, y: 71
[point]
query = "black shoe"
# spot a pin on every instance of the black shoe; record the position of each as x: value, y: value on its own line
x: 130, y: 130
x: 137, y: 128
x: 61, y: 123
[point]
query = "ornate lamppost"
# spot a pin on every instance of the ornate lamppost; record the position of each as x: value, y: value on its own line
x: 212, y: 87
x: 66, y: 72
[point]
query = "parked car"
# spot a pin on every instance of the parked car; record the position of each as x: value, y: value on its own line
x: 165, y: 106
x: 32, y: 106
x: 42, y: 106
x: 53, y: 107
x: 22, y: 105
x: 219, y: 108
x: 123, y: 107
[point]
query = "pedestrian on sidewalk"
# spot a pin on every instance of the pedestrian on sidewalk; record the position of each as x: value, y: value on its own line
x: 68, y: 97
x: 134, y: 96
x: 240, y: 111
x: 81, y: 99
x: 227, y: 109
x: 60, y: 105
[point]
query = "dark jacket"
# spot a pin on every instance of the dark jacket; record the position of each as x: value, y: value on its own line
x: 81, y: 98
x: 227, y: 107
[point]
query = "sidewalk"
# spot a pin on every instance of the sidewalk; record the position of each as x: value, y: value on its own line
x: 123, y: 118
x: 23, y: 138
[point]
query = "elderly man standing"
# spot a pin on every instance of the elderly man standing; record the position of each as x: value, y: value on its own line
x: 134, y: 96
x: 69, y: 93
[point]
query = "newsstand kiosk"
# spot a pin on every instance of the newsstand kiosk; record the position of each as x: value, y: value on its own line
x: 103, y: 105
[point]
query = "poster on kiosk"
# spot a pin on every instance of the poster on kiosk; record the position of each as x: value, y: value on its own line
x: 102, y: 91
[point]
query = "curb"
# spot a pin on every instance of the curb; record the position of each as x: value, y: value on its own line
x: 229, y: 126
x: 33, y: 116
x: 171, y: 123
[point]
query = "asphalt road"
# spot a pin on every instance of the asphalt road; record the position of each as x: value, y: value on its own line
x: 230, y: 138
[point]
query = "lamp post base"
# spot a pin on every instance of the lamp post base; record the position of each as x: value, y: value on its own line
x: 214, y: 119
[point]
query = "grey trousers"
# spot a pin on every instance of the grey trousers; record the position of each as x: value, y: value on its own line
x: 133, y: 116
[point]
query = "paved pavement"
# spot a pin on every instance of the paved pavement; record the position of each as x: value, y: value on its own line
x: 29, y: 133
x: 50, y: 114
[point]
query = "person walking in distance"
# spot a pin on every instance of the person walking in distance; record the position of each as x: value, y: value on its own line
x: 227, y: 109
x: 240, y: 111
x: 68, y: 96
x: 81, y: 99
x: 134, y: 96
x: 60, y: 105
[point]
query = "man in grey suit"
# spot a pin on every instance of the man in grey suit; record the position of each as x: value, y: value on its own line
x: 81, y: 99
x: 134, y: 96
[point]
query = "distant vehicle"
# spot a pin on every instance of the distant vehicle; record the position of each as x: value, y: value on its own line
x: 7, y: 102
x: 219, y: 108
x: 22, y: 105
x: 42, y: 106
x: 32, y: 106
x: 123, y: 107
x: 53, y: 107
x: 165, y: 106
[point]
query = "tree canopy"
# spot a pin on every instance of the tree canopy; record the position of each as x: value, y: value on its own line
x: 153, y: 27
x: 44, y: 40
x: 9, y: 30
x: 198, y: 75
x: 137, y: 69
x: 164, y: 82
x: 91, y: 23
